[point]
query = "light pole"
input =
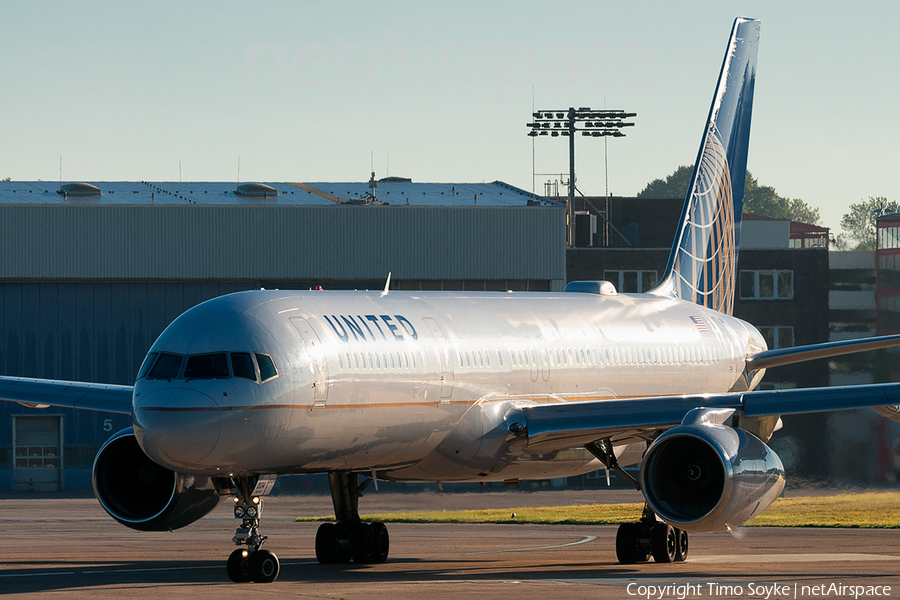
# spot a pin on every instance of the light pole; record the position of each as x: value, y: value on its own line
x: 591, y: 123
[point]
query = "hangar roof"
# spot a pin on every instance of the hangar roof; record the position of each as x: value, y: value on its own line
x: 389, y: 191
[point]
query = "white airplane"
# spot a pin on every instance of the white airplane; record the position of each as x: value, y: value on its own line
x: 464, y: 386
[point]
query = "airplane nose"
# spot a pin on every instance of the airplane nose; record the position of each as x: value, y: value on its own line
x: 177, y: 427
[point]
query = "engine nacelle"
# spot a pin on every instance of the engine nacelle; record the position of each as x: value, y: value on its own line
x: 703, y: 476
x: 140, y: 494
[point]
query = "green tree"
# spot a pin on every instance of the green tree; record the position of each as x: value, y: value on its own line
x: 758, y: 199
x: 673, y: 186
x: 859, y: 223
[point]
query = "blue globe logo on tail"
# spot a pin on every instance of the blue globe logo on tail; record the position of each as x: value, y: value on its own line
x: 703, y: 264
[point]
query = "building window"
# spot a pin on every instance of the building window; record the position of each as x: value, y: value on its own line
x: 778, y: 337
x: 767, y: 285
x: 888, y: 237
x: 631, y: 282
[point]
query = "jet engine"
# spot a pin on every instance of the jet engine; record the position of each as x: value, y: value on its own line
x: 706, y: 476
x: 142, y: 495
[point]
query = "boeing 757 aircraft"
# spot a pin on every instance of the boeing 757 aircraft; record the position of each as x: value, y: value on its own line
x: 465, y: 386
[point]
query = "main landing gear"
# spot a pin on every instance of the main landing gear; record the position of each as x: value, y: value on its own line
x: 250, y: 563
x: 350, y: 538
x: 637, y: 542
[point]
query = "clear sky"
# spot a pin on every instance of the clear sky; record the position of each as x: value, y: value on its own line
x: 319, y: 91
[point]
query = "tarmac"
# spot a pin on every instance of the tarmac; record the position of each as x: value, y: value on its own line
x: 68, y: 547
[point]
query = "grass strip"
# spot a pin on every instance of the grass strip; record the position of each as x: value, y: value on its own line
x: 868, y: 510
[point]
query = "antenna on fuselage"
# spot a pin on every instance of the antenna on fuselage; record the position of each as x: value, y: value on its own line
x: 387, y: 285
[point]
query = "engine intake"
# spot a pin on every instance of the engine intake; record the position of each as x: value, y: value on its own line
x: 704, y: 476
x: 141, y: 494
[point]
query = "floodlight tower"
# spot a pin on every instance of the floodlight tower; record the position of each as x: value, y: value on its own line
x: 591, y: 123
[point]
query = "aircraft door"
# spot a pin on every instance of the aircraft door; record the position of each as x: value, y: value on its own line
x: 544, y: 358
x: 313, y: 347
x: 532, y: 358
x: 444, y: 353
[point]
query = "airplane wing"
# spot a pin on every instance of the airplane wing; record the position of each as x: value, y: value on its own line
x: 42, y: 393
x: 562, y: 425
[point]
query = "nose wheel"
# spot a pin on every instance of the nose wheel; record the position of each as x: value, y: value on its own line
x: 259, y: 566
x: 250, y: 563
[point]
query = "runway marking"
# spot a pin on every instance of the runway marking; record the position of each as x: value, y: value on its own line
x: 791, y: 558
x: 52, y: 520
x: 98, y: 571
x: 660, y: 582
x: 584, y: 540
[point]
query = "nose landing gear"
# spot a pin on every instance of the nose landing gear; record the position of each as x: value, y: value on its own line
x: 250, y: 563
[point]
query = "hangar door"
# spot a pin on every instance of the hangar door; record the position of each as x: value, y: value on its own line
x: 37, y: 453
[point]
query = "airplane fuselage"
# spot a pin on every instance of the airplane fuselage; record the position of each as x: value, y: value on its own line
x: 412, y: 384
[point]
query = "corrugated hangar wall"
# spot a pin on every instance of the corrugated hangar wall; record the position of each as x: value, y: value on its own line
x: 85, y: 290
x: 214, y: 242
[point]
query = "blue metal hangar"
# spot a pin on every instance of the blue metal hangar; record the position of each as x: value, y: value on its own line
x: 91, y: 273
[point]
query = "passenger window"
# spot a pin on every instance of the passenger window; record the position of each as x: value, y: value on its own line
x: 166, y: 367
x: 145, y: 367
x: 266, y: 367
x: 242, y: 365
x: 206, y: 366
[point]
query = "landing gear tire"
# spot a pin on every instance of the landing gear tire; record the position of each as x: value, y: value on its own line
x: 663, y: 543
x: 326, y: 544
x: 382, y: 543
x: 362, y: 543
x: 329, y: 549
x: 682, y: 544
x: 263, y: 566
x: 238, y: 566
x: 629, y: 549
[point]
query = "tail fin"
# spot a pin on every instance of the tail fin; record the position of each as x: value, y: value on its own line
x: 702, y: 265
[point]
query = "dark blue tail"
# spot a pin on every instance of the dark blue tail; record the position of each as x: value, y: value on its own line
x: 703, y: 263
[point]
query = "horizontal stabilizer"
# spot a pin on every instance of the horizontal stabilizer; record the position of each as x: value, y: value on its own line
x: 788, y: 356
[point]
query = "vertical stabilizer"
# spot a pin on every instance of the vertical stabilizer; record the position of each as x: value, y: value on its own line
x: 702, y: 265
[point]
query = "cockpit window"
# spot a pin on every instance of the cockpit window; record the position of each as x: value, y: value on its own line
x: 166, y: 367
x: 266, y: 367
x: 242, y: 365
x: 145, y: 366
x: 206, y: 366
